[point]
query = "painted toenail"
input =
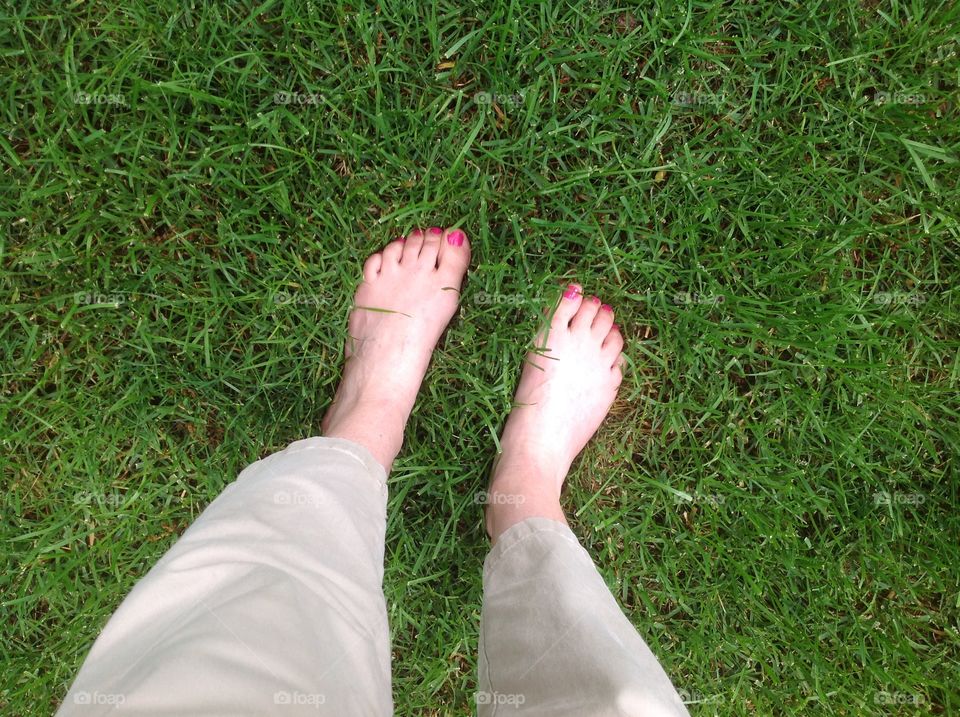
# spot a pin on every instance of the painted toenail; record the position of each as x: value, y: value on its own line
x: 436, y: 230
x: 572, y: 292
x: 595, y: 299
x: 455, y: 238
x: 606, y: 307
x: 616, y: 327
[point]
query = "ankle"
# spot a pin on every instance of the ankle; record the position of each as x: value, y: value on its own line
x: 526, y: 466
x: 521, y: 490
x: 362, y: 404
x: 372, y: 424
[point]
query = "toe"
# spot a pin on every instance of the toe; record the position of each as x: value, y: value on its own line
x: 392, y: 253
x: 603, y: 321
x: 431, y: 246
x: 617, y: 369
x: 613, y: 344
x: 569, y: 303
x: 453, y: 256
x: 586, y: 313
x: 412, y: 247
x: 371, y: 267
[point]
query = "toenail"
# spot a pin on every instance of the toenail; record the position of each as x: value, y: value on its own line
x: 573, y: 291
x: 401, y: 238
x: 606, y: 307
x: 595, y: 299
x: 436, y: 230
x: 616, y: 327
x: 455, y: 238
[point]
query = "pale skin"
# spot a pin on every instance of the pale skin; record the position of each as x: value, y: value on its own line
x: 566, y: 389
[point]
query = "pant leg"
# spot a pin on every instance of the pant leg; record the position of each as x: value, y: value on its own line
x: 270, y: 603
x: 553, y: 640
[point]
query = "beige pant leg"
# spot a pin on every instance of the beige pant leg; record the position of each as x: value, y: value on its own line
x: 271, y: 603
x: 553, y: 640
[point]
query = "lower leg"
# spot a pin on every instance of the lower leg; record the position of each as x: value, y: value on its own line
x: 273, y: 596
x: 258, y: 603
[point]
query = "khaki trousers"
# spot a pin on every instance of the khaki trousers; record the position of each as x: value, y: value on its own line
x: 271, y: 603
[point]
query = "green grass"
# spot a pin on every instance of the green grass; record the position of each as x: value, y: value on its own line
x: 766, y: 192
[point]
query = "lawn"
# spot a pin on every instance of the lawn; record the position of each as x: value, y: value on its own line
x: 767, y: 192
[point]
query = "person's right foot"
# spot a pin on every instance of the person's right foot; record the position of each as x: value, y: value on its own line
x: 567, y: 387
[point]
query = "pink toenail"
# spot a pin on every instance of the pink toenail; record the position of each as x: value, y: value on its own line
x: 572, y: 292
x: 595, y: 299
x: 455, y: 238
x: 401, y: 238
x: 616, y: 327
x: 606, y: 307
x: 436, y: 230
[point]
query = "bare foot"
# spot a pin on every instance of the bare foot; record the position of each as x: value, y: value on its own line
x: 566, y: 389
x: 409, y: 293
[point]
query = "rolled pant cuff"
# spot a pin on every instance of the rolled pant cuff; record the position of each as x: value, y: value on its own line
x: 341, y: 445
x: 517, y: 534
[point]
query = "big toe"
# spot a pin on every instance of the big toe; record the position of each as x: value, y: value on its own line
x: 570, y: 303
x: 454, y: 254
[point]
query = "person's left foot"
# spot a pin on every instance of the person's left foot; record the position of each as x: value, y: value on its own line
x: 409, y: 293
